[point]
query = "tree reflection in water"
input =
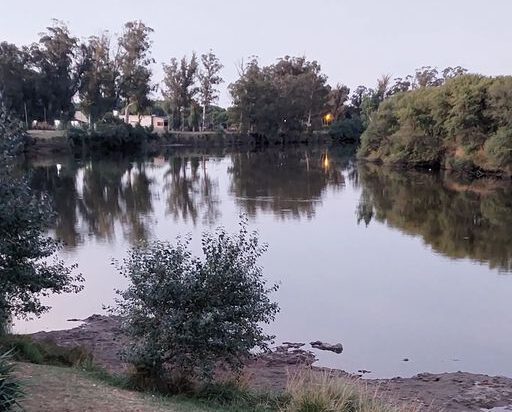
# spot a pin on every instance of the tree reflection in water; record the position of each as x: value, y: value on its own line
x: 103, y: 198
x: 91, y: 198
x: 191, y: 193
x: 460, y: 220
x: 288, y: 183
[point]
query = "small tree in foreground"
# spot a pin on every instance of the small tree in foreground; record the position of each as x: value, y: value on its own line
x: 187, y: 315
x: 26, y: 271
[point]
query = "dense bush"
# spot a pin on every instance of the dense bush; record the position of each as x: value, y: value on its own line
x: 108, y: 136
x: 10, y: 388
x: 187, y: 315
x: 467, y: 121
x: 346, y: 130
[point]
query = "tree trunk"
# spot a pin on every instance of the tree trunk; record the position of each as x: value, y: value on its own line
x: 204, y: 116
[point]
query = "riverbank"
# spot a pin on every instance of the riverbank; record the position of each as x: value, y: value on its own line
x: 47, y: 142
x: 458, y: 391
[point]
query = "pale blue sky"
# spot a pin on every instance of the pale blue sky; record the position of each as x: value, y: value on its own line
x: 355, y: 41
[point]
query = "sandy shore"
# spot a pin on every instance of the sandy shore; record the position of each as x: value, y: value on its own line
x: 458, y: 391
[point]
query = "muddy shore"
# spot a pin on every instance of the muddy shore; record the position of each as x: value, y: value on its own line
x: 460, y: 391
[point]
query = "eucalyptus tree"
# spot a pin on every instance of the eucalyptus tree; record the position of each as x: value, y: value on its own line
x: 16, y: 79
x: 338, y: 96
x: 59, y: 60
x: 209, y: 79
x: 97, y: 92
x: 180, y: 88
x: 133, y: 61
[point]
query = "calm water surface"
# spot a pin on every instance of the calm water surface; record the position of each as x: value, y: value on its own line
x: 392, y: 265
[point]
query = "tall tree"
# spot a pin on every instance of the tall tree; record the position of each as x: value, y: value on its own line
x: 59, y: 59
x: 98, y: 89
x: 289, y: 96
x: 209, y: 79
x: 133, y: 61
x: 15, y: 79
x: 336, y: 101
x: 179, y: 88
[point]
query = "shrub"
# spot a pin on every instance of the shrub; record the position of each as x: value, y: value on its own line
x: 10, y: 388
x: 499, y: 147
x: 108, y: 136
x: 186, y: 315
x: 431, y: 126
x: 347, y: 130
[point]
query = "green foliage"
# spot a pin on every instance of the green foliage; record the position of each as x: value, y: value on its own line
x: 26, y: 268
x: 134, y: 64
x: 235, y: 396
x: 13, y: 139
x: 10, y: 387
x: 98, y: 89
x: 180, y: 89
x: 499, y: 147
x: 186, y: 314
x: 286, y: 97
x: 209, y: 79
x: 110, y: 136
x: 25, y: 349
x: 346, y: 130
x: 464, y: 121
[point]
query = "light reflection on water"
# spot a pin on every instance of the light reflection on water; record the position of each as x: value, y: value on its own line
x: 394, y: 265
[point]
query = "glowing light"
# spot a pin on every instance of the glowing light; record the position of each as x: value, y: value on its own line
x: 328, y: 118
x: 326, y: 162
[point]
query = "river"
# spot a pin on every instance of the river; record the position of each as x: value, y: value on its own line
x: 410, y: 271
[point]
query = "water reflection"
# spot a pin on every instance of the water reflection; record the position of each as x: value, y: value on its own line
x: 458, y: 219
x: 191, y: 192
x: 287, y: 182
x: 91, y: 199
x: 117, y: 197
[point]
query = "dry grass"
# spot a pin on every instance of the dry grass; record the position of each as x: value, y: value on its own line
x: 312, y: 391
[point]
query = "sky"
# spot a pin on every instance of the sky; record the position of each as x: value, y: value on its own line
x: 355, y: 41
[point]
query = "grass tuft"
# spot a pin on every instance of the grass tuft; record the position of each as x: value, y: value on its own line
x: 311, y: 391
x: 25, y: 349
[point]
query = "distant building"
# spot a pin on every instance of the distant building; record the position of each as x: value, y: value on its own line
x: 79, y: 119
x: 159, y: 123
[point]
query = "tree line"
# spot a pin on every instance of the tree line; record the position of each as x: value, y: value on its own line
x: 462, y: 124
x: 60, y: 74
x: 51, y: 79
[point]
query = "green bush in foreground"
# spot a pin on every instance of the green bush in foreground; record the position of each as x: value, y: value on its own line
x: 10, y: 388
x: 187, y: 315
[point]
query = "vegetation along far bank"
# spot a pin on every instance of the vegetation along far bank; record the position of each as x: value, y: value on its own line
x: 464, y: 124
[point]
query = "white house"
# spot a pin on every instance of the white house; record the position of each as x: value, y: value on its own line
x: 159, y: 123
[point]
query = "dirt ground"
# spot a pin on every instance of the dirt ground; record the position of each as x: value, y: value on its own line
x: 54, y: 389
x: 459, y: 391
